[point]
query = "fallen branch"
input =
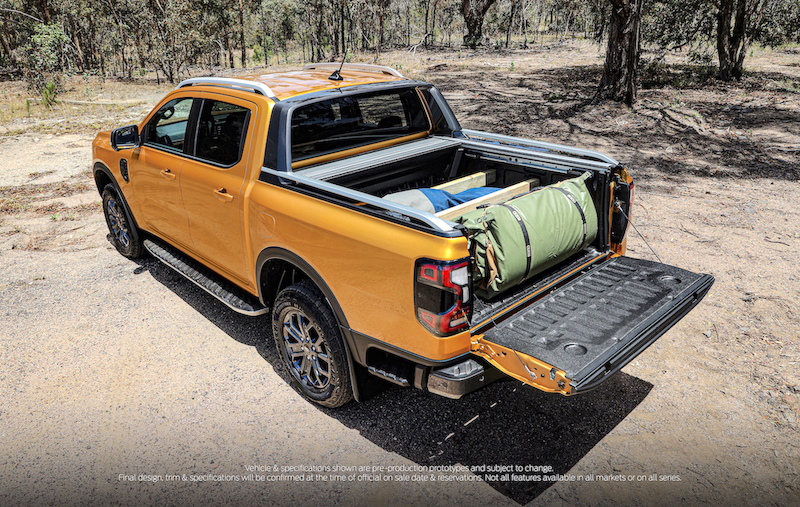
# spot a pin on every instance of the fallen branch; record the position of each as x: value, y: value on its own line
x: 778, y: 242
x: 782, y: 149
x: 687, y: 231
x: 413, y: 48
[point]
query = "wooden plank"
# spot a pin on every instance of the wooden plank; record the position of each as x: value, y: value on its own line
x: 493, y: 198
x: 480, y: 179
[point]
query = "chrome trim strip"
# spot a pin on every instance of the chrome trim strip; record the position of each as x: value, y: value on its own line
x: 355, y: 66
x: 541, y: 144
x: 229, y: 82
x: 433, y: 221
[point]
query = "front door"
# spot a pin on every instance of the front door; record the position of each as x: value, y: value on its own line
x: 212, y: 182
x: 156, y: 172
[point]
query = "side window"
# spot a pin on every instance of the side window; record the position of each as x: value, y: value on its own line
x: 167, y: 128
x: 221, y: 131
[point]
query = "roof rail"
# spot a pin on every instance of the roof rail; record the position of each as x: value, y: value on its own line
x: 355, y: 66
x: 231, y: 83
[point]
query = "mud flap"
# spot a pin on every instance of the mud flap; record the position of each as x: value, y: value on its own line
x: 571, y: 339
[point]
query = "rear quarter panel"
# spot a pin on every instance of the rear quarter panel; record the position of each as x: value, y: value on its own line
x: 367, y: 262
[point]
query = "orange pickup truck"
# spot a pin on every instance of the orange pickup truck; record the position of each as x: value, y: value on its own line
x: 274, y: 193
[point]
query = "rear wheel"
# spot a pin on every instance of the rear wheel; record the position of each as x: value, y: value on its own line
x: 122, y: 233
x: 311, y: 345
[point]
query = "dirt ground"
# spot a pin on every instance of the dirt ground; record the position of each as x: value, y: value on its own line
x: 122, y: 384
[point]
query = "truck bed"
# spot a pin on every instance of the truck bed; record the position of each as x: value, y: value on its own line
x: 583, y: 319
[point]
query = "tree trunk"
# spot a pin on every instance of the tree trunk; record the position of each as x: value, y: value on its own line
x: 44, y: 9
x: 6, y: 47
x: 510, y: 21
x: 76, y: 41
x: 264, y: 35
x: 92, y: 49
x: 227, y: 40
x: 621, y: 68
x: 524, y: 29
x: 427, y: 13
x: 381, y: 16
x: 137, y: 38
x: 474, y: 11
x: 241, y: 34
x: 408, y: 24
x: 333, y: 32
x: 343, y: 27
x: 736, y: 20
x: 433, y: 22
x: 724, y: 42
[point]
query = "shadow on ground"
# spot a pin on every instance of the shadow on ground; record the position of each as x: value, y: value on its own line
x: 506, y: 423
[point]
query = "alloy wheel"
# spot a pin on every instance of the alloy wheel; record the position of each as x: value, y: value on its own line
x: 306, y: 350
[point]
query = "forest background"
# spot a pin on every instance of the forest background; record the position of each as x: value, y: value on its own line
x: 43, y: 40
x: 712, y: 142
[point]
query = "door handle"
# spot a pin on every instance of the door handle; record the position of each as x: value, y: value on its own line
x: 168, y: 174
x: 223, y: 194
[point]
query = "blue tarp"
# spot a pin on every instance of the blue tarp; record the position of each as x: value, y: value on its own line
x: 442, y: 200
x: 433, y: 201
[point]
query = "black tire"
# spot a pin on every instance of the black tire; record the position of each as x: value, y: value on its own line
x: 311, y: 346
x: 122, y: 233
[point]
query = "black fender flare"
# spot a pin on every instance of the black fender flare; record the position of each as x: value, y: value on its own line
x: 273, y: 253
x: 278, y: 253
x: 100, y: 167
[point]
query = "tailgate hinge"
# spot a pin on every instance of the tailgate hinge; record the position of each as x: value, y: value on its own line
x: 529, y: 370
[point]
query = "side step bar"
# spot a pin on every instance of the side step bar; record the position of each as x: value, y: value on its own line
x: 185, y: 266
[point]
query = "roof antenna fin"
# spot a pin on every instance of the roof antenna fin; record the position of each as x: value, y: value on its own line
x: 336, y: 76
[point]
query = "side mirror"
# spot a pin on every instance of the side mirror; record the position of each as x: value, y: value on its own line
x: 125, y: 137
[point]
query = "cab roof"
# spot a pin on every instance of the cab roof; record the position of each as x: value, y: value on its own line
x: 290, y: 84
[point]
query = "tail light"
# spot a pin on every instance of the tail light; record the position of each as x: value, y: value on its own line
x: 442, y: 295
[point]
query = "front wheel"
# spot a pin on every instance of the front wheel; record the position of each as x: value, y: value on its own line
x: 311, y: 346
x: 122, y: 233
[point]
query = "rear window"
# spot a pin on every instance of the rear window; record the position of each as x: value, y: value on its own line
x: 347, y: 122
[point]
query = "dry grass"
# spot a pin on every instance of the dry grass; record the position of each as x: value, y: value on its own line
x: 23, y: 198
x: 85, y: 104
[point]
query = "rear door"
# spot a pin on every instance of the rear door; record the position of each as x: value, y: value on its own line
x: 570, y: 336
x: 213, y: 179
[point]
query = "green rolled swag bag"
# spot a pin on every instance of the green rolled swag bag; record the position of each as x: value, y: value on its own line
x: 519, y: 238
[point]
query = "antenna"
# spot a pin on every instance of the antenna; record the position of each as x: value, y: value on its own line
x: 336, y: 76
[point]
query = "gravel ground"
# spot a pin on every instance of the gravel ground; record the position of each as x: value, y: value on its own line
x: 123, y: 384
x: 115, y: 369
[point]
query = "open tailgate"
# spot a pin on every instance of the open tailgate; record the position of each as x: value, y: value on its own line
x: 572, y: 338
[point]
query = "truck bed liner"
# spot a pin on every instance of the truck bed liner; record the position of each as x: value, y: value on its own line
x: 486, y: 313
x: 600, y: 321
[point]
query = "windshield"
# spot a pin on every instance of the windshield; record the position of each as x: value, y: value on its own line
x: 347, y: 122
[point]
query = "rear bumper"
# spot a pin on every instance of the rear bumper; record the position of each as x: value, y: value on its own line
x: 462, y: 378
